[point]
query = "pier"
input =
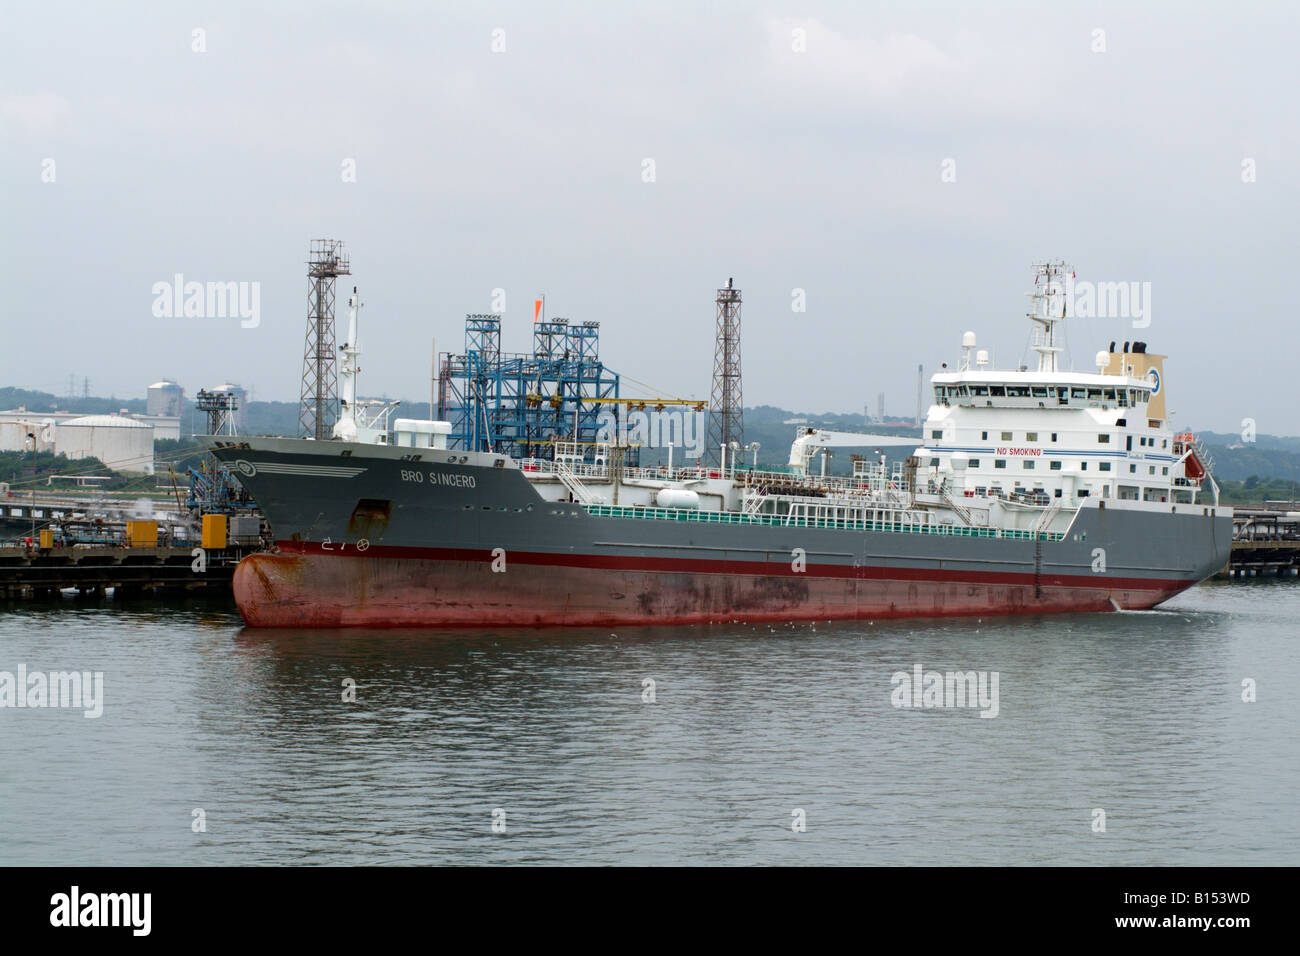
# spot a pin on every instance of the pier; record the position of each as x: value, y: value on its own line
x: 38, y: 573
x: 1264, y: 544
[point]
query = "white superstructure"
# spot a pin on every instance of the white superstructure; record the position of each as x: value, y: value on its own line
x: 1047, y: 434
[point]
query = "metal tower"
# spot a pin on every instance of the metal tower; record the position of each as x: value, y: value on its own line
x: 220, y: 408
x: 726, y: 424
x: 520, y: 404
x: 318, y: 406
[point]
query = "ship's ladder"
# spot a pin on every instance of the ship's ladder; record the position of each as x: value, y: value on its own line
x: 962, y: 512
x: 580, y: 492
x: 1045, y: 519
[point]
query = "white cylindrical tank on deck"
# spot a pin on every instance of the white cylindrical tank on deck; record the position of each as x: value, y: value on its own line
x: 677, y: 498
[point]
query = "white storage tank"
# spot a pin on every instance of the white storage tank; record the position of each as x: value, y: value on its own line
x: 122, y: 444
x: 165, y: 398
x: 677, y: 498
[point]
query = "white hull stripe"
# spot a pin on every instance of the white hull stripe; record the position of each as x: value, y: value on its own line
x: 319, y: 471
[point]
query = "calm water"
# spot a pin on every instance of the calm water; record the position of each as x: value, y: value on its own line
x: 1139, y: 714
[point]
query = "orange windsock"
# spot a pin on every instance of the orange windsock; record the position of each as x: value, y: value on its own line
x: 537, y: 308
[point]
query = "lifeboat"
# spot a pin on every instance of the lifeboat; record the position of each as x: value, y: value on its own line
x: 1193, y: 467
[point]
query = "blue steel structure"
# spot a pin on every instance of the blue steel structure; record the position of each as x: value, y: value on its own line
x: 518, y: 404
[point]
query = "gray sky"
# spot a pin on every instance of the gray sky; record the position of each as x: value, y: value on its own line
x: 817, y: 170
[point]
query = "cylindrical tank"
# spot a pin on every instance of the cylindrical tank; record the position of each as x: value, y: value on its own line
x: 677, y: 498
x: 122, y: 444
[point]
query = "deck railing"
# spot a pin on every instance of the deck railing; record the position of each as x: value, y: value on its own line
x: 896, y: 524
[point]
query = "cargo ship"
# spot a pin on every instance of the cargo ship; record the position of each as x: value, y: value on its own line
x: 1029, y: 491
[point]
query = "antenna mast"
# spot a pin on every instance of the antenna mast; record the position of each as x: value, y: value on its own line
x: 1047, y: 307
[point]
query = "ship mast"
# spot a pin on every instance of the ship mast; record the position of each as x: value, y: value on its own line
x: 346, y: 427
x: 1048, y: 304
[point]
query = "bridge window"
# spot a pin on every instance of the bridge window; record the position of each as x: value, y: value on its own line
x: 1040, y: 391
x: 936, y: 434
x: 999, y: 463
x: 1055, y: 466
x: 1031, y: 436
x: 1078, y: 393
x: 1006, y: 436
x: 1103, y: 439
x: 1109, y: 394
x: 1028, y: 465
x: 1104, y: 466
x: 979, y: 389
x: 974, y: 463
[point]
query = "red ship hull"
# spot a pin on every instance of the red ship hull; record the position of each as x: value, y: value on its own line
x: 318, y: 590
